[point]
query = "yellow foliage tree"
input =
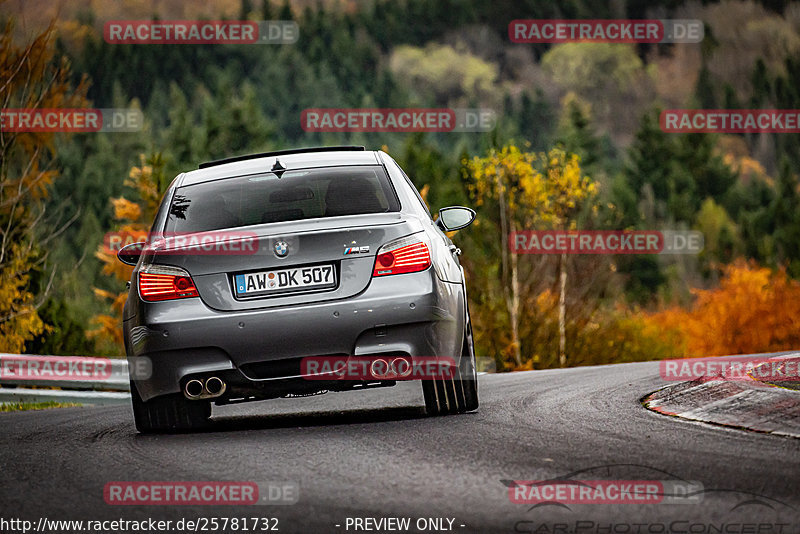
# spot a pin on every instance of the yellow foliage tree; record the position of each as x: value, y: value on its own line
x: 753, y: 310
x: 134, y: 218
x: 532, y: 191
x: 31, y: 77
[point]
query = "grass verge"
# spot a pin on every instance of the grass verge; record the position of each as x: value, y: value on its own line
x: 25, y: 406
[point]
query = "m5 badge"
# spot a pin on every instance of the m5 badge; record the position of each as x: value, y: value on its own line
x: 356, y: 250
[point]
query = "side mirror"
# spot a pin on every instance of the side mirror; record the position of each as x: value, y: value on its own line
x: 455, y: 218
x: 129, y: 254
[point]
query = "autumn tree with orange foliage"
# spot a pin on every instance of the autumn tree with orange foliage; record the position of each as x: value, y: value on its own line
x: 147, y: 180
x: 31, y: 77
x: 753, y: 310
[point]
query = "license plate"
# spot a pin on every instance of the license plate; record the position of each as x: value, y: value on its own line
x: 281, y: 280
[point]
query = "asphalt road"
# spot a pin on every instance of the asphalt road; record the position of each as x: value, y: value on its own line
x: 374, y: 454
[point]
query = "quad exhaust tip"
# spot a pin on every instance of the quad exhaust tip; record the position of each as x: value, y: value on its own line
x: 193, y: 389
x: 213, y: 387
x: 379, y: 368
x: 393, y: 367
x: 401, y: 366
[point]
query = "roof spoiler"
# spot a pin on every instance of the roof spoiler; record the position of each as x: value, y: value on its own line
x: 234, y: 159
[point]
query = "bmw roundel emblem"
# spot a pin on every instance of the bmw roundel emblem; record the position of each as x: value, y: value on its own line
x: 281, y: 248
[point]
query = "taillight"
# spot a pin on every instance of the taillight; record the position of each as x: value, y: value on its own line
x: 164, y: 282
x: 406, y: 255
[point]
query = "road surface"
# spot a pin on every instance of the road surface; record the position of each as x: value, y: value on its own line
x: 374, y: 454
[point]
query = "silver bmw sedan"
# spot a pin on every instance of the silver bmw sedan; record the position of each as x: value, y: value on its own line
x: 295, y: 273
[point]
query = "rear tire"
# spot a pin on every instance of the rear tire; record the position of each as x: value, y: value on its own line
x: 431, y: 401
x: 467, y: 381
x: 440, y: 398
x: 459, y: 393
x: 169, y: 413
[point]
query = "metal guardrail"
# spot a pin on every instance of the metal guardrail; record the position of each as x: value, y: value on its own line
x: 101, y: 398
x: 82, y: 380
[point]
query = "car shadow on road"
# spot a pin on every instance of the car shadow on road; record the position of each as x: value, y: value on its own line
x: 231, y: 423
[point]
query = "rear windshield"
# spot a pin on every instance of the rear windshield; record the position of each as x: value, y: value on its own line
x: 268, y: 198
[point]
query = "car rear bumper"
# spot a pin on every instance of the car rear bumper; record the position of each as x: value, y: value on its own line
x: 413, y: 314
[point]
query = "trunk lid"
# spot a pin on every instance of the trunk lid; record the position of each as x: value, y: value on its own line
x: 347, y: 243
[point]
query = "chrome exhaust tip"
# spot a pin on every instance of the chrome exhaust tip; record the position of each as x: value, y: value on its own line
x: 193, y: 389
x: 379, y: 368
x: 215, y: 387
x: 401, y: 366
